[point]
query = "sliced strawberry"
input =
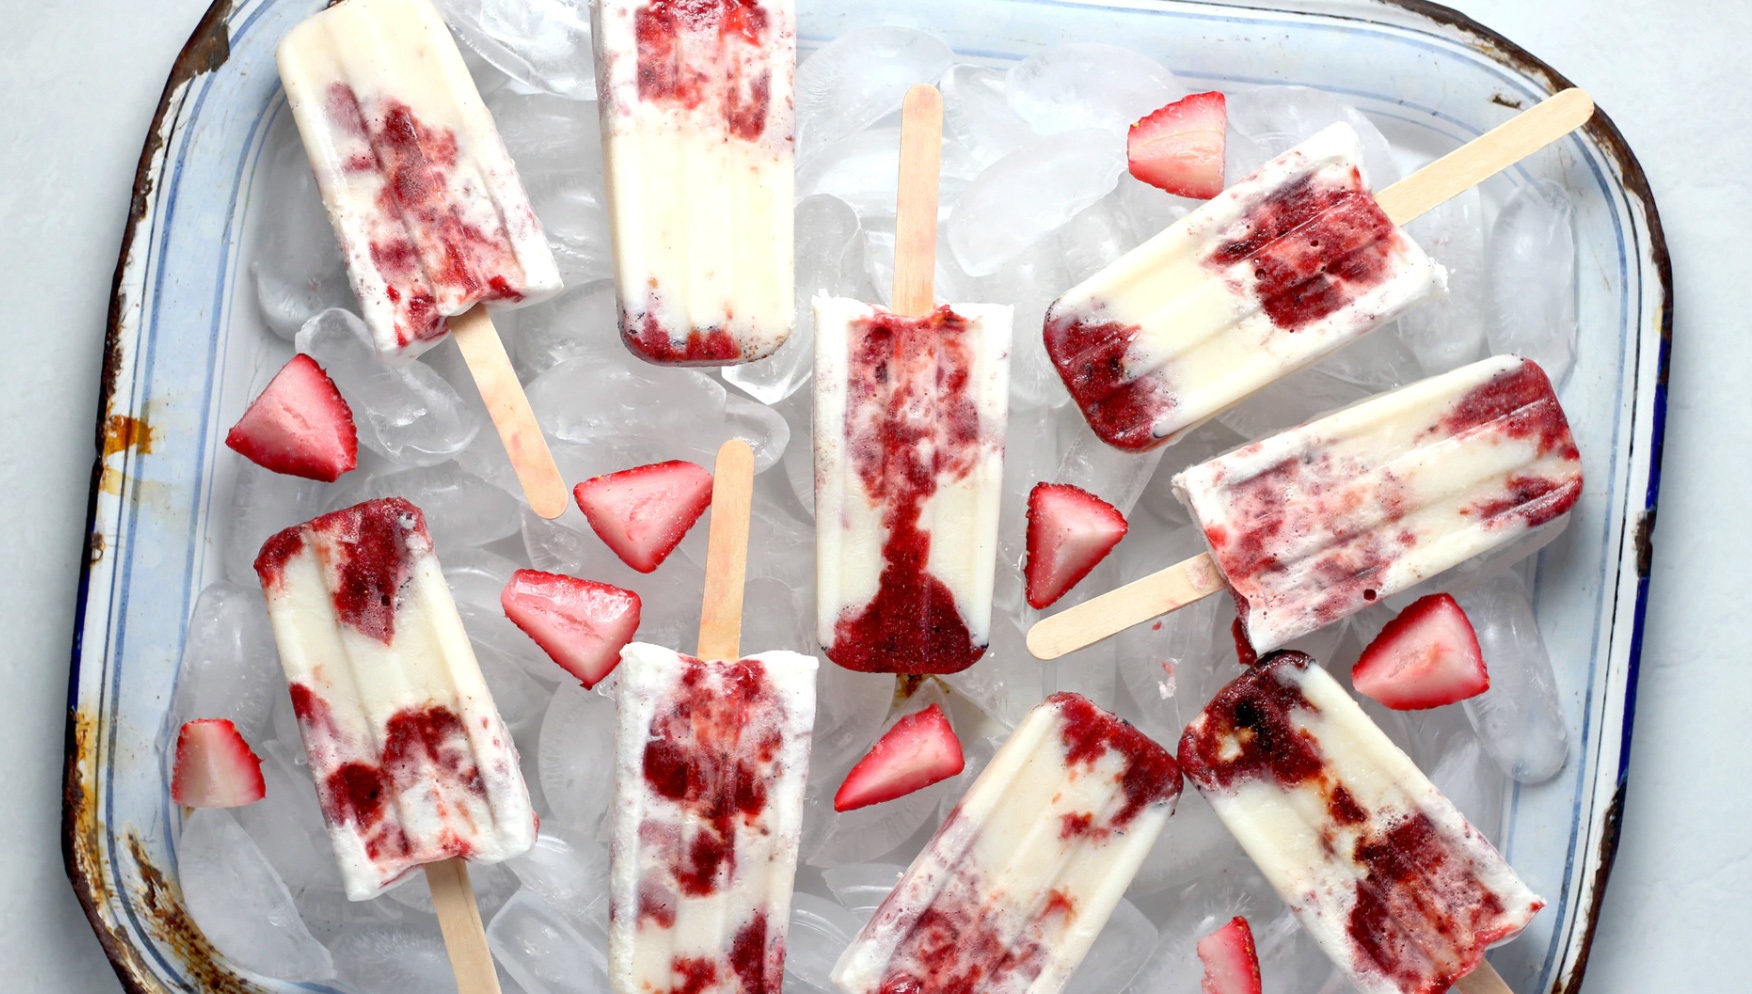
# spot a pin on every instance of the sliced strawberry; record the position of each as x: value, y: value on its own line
x: 918, y: 751
x: 582, y: 624
x: 643, y: 513
x: 299, y: 426
x: 1231, y: 965
x: 1069, y: 531
x: 1179, y: 148
x: 215, y: 767
x: 1426, y: 657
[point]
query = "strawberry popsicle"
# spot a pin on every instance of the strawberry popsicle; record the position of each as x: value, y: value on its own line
x: 1276, y: 272
x: 711, y: 756
x: 424, y: 199
x: 697, y: 143
x: 710, y: 763
x: 909, y: 461
x: 1280, y: 269
x: 1380, y: 868
x: 1011, y: 892
x: 411, y: 760
x: 1314, y: 524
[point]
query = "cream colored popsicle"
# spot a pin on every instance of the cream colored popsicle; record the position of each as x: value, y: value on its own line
x: 910, y: 411
x: 1316, y: 523
x: 411, y: 760
x: 711, y: 757
x: 909, y: 462
x: 424, y: 199
x: 698, y: 140
x: 1382, y: 871
x: 1313, y: 524
x: 710, y: 763
x: 1011, y: 892
x: 1279, y: 270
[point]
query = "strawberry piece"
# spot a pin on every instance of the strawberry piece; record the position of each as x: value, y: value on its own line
x: 299, y: 425
x: 215, y: 767
x: 1069, y: 531
x: 918, y: 751
x: 643, y: 512
x: 1426, y: 657
x: 582, y: 624
x: 1231, y: 964
x: 1179, y: 148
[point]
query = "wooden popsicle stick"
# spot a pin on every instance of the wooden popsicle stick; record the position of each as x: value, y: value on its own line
x: 1485, y: 156
x: 1483, y: 980
x: 727, y: 552
x: 509, y: 409
x: 459, y: 918
x: 915, y: 221
x: 1119, y: 609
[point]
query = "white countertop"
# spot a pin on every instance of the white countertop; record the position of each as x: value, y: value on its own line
x: 78, y: 86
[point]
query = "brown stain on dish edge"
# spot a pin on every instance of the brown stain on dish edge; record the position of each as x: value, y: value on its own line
x: 162, y: 905
x: 94, y: 880
x: 1608, y: 852
x: 122, y: 432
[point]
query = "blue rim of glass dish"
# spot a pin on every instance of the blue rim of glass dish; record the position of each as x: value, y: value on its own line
x: 208, y: 49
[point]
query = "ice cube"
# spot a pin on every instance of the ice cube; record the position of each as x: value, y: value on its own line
x: 1196, y: 910
x: 1194, y: 841
x: 1275, y: 118
x: 820, y: 931
x: 461, y: 509
x: 493, y: 885
x: 1097, y: 237
x: 264, y: 502
x: 1293, y: 400
x: 862, y: 887
x: 548, y: 134
x: 1532, y: 278
x: 1114, y: 475
x: 581, y: 323
x: 287, y: 824
x: 863, y: 170
x: 1118, y: 953
x: 407, y: 413
x: 860, y: 77
x: 1006, y: 683
x: 477, y: 578
x: 1448, y: 332
x: 799, y: 459
x: 1378, y: 361
x: 396, y: 959
x: 831, y: 838
x: 566, y: 873
x: 240, y: 903
x: 1029, y: 283
x: 850, y: 708
x: 573, y: 210
x: 1088, y: 85
x: 977, y: 114
x: 538, y: 946
x: 1519, y: 719
x: 296, y: 266
x: 230, y: 668
x: 1031, y: 192
x: 829, y: 260
x: 543, y: 44
x: 577, y: 759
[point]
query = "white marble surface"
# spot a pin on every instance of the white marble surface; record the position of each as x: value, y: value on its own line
x: 78, y: 85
